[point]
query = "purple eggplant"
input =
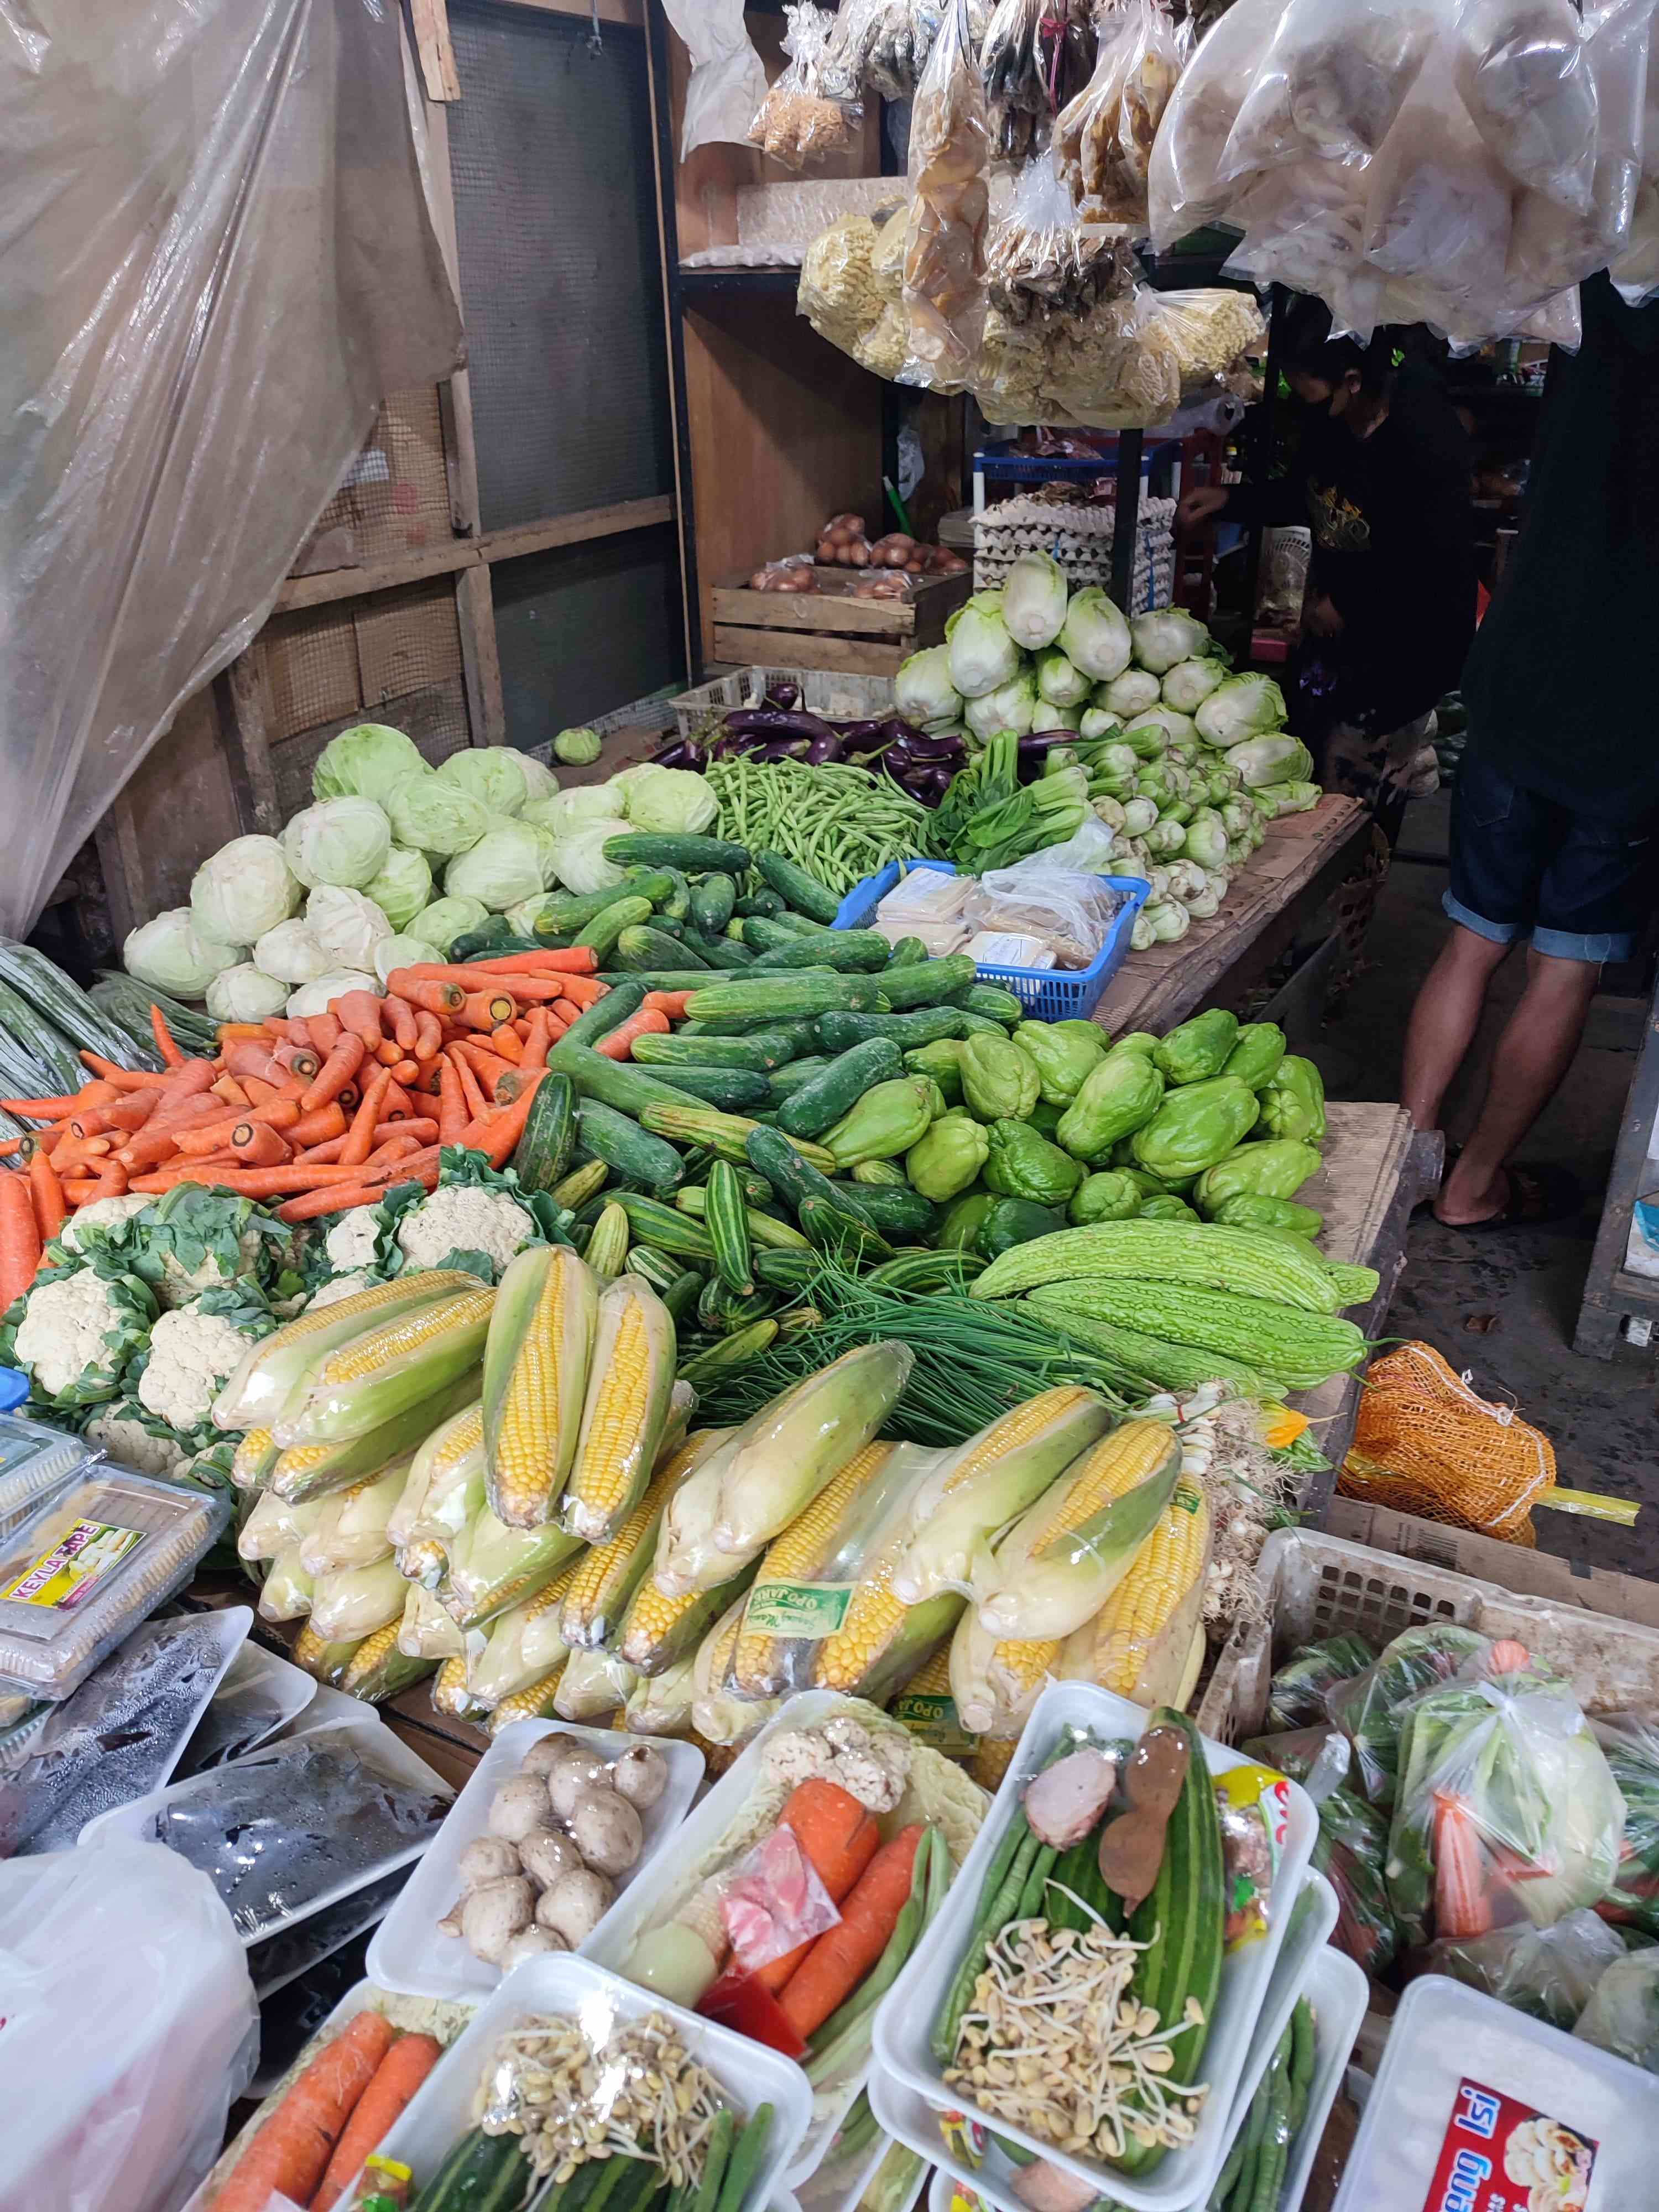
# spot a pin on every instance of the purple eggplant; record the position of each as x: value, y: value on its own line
x: 824, y: 749
x: 684, y: 752
x: 778, y: 723
x: 781, y: 748
x: 783, y: 695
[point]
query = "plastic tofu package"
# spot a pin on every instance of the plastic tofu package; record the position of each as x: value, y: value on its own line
x: 926, y: 895
x: 999, y: 949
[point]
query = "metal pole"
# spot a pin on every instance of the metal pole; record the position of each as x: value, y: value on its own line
x: 1126, y: 524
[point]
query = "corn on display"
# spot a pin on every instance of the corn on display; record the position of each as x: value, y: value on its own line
x: 426, y: 1631
x: 594, y: 1685
x: 1139, y: 1643
x: 996, y: 1680
x: 492, y: 1566
x: 278, y: 1368
x: 801, y: 1588
x: 530, y: 1704
x: 311, y: 1470
x: 323, y: 1661
x: 379, y: 1667
x: 350, y: 1530
x: 535, y: 1381
x: 358, y: 1601
x: 660, y: 1705
x: 625, y: 1412
x: 521, y: 1644
x: 253, y: 1460
x: 446, y: 1481
x: 369, y: 1383
x: 450, y: 1695
x: 1059, y: 1563
x: 609, y: 1573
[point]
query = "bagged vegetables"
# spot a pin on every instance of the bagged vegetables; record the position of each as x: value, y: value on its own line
x: 1622, y: 2014
x: 1550, y: 1973
x: 1369, y: 1708
x: 1631, y: 1741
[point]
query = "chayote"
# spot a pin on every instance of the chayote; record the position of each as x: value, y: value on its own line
x: 1138, y: 1041
x: 941, y: 1062
x: 1023, y: 1164
x: 1112, y: 1196
x: 1166, y: 1208
x: 948, y: 1159
x: 1249, y: 1209
x: 999, y: 1083
x: 1276, y: 1168
x: 1064, y: 1054
x: 1120, y: 1095
x: 1012, y: 1221
x: 1196, y: 1126
x: 1199, y: 1048
x: 1257, y: 1053
x: 1044, y: 1118
x: 887, y: 1120
x: 1293, y: 1103
x: 962, y: 1221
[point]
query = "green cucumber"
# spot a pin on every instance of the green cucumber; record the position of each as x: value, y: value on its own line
x: 797, y: 889
x: 734, y: 1090
x: 783, y: 1082
x: 681, y: 1294
x: 706, y: 1367
x: 923, y: 1272
x: 787, y: 1270
x: 905, y: 1214
x: 484, y: 2173
x: 839, y: 1028
x: 542, y: 1156
x: 990, y: 1000
x: 623, y: 999
x: 666, y: 1230
x: 719, y: 951
x: 765, y: 933
x: 676, y: 906
x: 908, y: 952
x: 652, y: 1267
x: 761, y: 901
x: 681, y: 977
x: 700, y: 1052
x: 818, y: 1104
x: 831, y: 1224
x: 712, y: 900
x: 888, y: 1172
x: 617, y: 1083
x: 788, y: 994
x: 765, y: 1230
x: 849, y: 952
x: 926, y: 982
x: 600, y: 934
x: 726, y: 1219
x: 626, y: 1148
x: 696, y: 856
x: 640, y: 948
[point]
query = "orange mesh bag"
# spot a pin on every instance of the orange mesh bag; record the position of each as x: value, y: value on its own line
x: 1425, y: 1444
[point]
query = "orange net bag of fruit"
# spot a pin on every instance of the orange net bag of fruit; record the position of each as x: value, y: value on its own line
x: 1426, y: 1443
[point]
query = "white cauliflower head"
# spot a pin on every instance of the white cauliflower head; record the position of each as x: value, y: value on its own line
x: 77, y: 1334
x: 192, y: 1355
x: 350, y: 1243
x: 344, y: 1286
x: 121, y: 1430
x: 103, y: 1212
x: 460, y: 1217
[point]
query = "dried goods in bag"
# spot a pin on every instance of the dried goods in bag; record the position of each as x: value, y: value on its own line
x: 944, y: 250
x: 1437, y: 209
x: 1332, y: 83
x: 797, y: 122
x: 880, y: 48
x: 1104, y: 138
x: 1521, y: 69
x: 1043, y: 258
x: 1182, y: 191
x: 1036, y: 59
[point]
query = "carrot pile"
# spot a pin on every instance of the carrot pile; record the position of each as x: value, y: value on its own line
x: 321, y: 1112
x: 339, y: 2109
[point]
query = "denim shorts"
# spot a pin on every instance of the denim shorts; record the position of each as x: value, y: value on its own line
x: 1522, y: 866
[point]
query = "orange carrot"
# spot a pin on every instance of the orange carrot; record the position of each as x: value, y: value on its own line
x: 230, y: 1092
x: 396, y: 1147
x: 236, y: 1032
x: 477, y: 1104
x: 1462, y: 1905
x: 325, y: 1030
x: 166, y: 1043
x: 840, y: 1838
x: 359, y: 1137
x: 360, y: 1012
x: 538, y: 1037
x: 47, y: 1194
x: 487, y: 1065
x: 252, y: 1059
x: 398, y: 1017
x: 291, y: 2154
x: 399, y: 2074
x: 452, y: 1103
x: 507, y: 1044
x: 671, y: 1003
x: 619, y: 1044
x: 417, y: 1167
x: 571, y: 960
x: 428, y: 1034
x: 299, y: 1059
x: 484, y: 1011
x: 19, y: 1238
x: 263, y: 1182
x: 83, y: 1190
x: 318, y: 1126
x: 336, y: 1071
x: 123, y: 1079
x: 388, y: 1052
x: 844, y: 1954
x: 566, y: 1010
x: 435, y: 997
x: 257, y: 1145
x: 583, y: 990
x: 495, y: 1133
x: 132, y: 1111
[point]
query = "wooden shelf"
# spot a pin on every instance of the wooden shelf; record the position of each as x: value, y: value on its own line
x: 698, y: 284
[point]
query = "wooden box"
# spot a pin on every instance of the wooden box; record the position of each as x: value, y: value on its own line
x: 829, y: 628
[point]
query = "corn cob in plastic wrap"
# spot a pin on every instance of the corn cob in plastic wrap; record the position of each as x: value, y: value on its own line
x: 535, y: 1381
x: 1147, y: 1643
x: 365, y: 1385
x: 625, y: 1412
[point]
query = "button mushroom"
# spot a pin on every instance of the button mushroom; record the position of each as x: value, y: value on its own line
x: 492, y: 1915
x: 606, y: 1829
x: 578, y: 1771
x: 641, y: 1776
x: 547, y: 1751
x: 574, y: 1906
x: 487, y: 1858
x: 546, y: 1857
x: 518, y: 1807
x: 531, y: 1943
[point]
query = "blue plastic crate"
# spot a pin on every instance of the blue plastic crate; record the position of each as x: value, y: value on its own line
x: 1048, y: 995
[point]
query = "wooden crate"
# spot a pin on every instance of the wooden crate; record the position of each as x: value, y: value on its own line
x: 829, y: 628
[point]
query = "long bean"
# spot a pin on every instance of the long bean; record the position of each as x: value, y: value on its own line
x: 839, y: 822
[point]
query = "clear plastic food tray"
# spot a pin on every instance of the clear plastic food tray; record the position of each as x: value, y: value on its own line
x: 34, y: 1462
x: 1307, y: 1967
x: 408, y: 1952
x: 93, y: 1560
x: 905, y: 2017
x: 255, y: 1673
x: 1445, y: 2035
x: 749, y: 2074
x: 375, y: 1744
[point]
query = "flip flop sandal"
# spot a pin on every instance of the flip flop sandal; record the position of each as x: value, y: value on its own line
x: 1539, y: 1196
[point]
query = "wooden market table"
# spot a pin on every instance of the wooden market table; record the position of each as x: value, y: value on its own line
x: 1218, y: 961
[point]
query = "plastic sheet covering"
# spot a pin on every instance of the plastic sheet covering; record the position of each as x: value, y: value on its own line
x: 216, y: 257
x: 728, y: 78
x: 129, y: 2029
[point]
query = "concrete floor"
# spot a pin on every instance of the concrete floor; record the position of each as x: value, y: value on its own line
x: 1599, y: 1415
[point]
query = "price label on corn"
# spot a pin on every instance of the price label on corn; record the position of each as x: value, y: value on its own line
x: 934, y: 1721
x: 811, y: 1611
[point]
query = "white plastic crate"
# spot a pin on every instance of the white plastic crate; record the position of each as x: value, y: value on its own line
x: 823, y: 691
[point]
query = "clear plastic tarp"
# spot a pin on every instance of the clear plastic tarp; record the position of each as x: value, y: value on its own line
x: 216, y: 257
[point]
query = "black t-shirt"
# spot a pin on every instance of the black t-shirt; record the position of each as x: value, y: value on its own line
x: 1393, y: 548
x: 1557, y: 684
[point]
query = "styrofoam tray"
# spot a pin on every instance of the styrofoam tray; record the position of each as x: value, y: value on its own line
x: 905, y: 2016
x: 254, y: 1668
x: 750, y: 2074
x: 408, y: 1952
x: 373, y: 1740
x: 614, y: 1939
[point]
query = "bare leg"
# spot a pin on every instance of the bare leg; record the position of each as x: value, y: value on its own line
x: 1533, y: 1053
x: 1444, y: 1019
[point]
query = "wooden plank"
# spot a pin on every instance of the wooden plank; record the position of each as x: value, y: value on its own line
x: 847, y: 656
x: 588, y: 522
x: 432, y: 42
x: 239, y: 697
x: 629, y: 14
x: 481, y: 661
x: 178, y: 805
x: 807, y: 611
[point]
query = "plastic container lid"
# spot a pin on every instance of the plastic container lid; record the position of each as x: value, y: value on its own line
x: 1474, y: 2097
x: 33, y: 1460
x: 88, y: 1565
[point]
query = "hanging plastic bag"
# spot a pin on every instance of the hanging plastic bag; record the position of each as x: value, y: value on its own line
x: 1550, y: 1973
x: 1042, y: 259
x: 1183, y: 191
x: 128, y: 2028
x: 945, y: 247
x: 1521, y: 70
x: 797, y: 122
x: 1622, y: 2015
x: 1035, y: 57
x: 1437, y: 209
x: 728, y: 78
x: 1104, y: 138
x: 1304, y: 226
x: 1332, y: 83
x: 1505, y: 1810
x: 1631, y: 1741
x: 1635, y: 270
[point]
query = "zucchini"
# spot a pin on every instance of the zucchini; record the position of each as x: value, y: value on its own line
x: 722, y: 1310
x: 542, y: 1157
x: 991, y: 1000
x: 726, y: 1219
x: 819, y: 1104
x: 666, y: 1230
x: 717, y: 951
x: 713, y: 898
x: 728, y: 1134
x: 927, y: 982
x: 908, y: 952
x: 483, y: 2173
x: 764, y: 901
x: 681, y: 1294
x: 787, y: 1270
x: 734, y: 1090
x: 832, y: 1225
x: 838, y: 1030
x: 626, y: 1148
x: 789, y: 994
x: 785, y: 1081
x: 924, y: 1271
x: 600, y: 934
x: 696, y: 856
x: 581, y: 1184
x: 797, y: 889
x: 624, y: 998
x: 677, y: 1051
x: 765, y: 1230
x: 887, y: 1172
x: 654, y: 1268
x: 731, y: 1352
x: 850, y: 952
x: 901, y: 1212
x: 642, y: 947
x: 618, y: 1083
